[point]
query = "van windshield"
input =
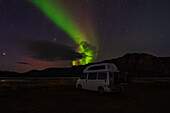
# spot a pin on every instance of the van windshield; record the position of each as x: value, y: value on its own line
x: 114, y: 74
x: 84, y: 76
x: 116, y: 77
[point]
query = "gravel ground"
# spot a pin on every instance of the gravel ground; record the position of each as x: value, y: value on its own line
x: 149, y: 97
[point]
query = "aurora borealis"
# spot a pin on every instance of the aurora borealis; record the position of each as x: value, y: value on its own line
x: 62, y: 18
x: 40, y: 34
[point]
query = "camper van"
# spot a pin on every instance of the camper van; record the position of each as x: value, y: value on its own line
x: 103, y: 77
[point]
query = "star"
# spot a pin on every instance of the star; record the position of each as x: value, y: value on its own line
x: 54, y: 39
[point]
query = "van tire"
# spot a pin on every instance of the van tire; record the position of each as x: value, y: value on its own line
x: 79, y: 87
x: 100, y: 90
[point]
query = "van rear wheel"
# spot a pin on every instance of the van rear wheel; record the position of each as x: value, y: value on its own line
x: 100, y: 90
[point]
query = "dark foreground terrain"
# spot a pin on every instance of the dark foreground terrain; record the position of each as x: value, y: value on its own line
x: 63, y: 97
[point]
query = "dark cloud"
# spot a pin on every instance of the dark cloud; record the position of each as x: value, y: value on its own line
x: 48, y: 50
x: 88, y: 47
x: 23, y: 63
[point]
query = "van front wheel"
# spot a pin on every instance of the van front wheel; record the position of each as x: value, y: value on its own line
x: 79, y: 87
x: 100, y: 90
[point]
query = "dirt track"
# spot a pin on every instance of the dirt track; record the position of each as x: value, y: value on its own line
x: 137, y: 98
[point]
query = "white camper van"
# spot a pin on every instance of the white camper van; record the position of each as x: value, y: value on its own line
x: 100, y: 77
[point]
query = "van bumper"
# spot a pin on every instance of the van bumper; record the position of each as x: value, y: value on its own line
x: 107, y: 90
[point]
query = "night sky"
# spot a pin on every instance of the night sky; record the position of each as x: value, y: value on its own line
x: 31, y: 38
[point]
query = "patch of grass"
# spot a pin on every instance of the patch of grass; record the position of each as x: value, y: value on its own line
x: 10, y: 88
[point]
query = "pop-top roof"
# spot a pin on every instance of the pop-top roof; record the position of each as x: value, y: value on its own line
x: 101, y: 68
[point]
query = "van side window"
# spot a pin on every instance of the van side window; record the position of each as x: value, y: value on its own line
x: 92, y: 76
x: 84, y: 76
x: 102, y: 76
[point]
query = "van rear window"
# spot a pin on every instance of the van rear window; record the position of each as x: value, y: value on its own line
x: 97, y: 67
x: 102, y: 76
x: 92, y: 76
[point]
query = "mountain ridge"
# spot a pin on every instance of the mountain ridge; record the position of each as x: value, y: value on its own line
x: 138, y: 65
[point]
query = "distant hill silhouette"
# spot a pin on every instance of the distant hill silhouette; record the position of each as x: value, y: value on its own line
x: 139, y: 65
x: 143, y: 64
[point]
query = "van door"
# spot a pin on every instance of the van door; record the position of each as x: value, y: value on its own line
x: 91, y: 81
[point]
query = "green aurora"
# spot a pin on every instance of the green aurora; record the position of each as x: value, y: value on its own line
x: 56, y: 12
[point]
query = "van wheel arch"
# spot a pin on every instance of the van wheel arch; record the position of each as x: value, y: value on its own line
x: 79, y: 87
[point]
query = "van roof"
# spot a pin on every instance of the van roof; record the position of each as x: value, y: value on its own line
x: 101, y: 68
